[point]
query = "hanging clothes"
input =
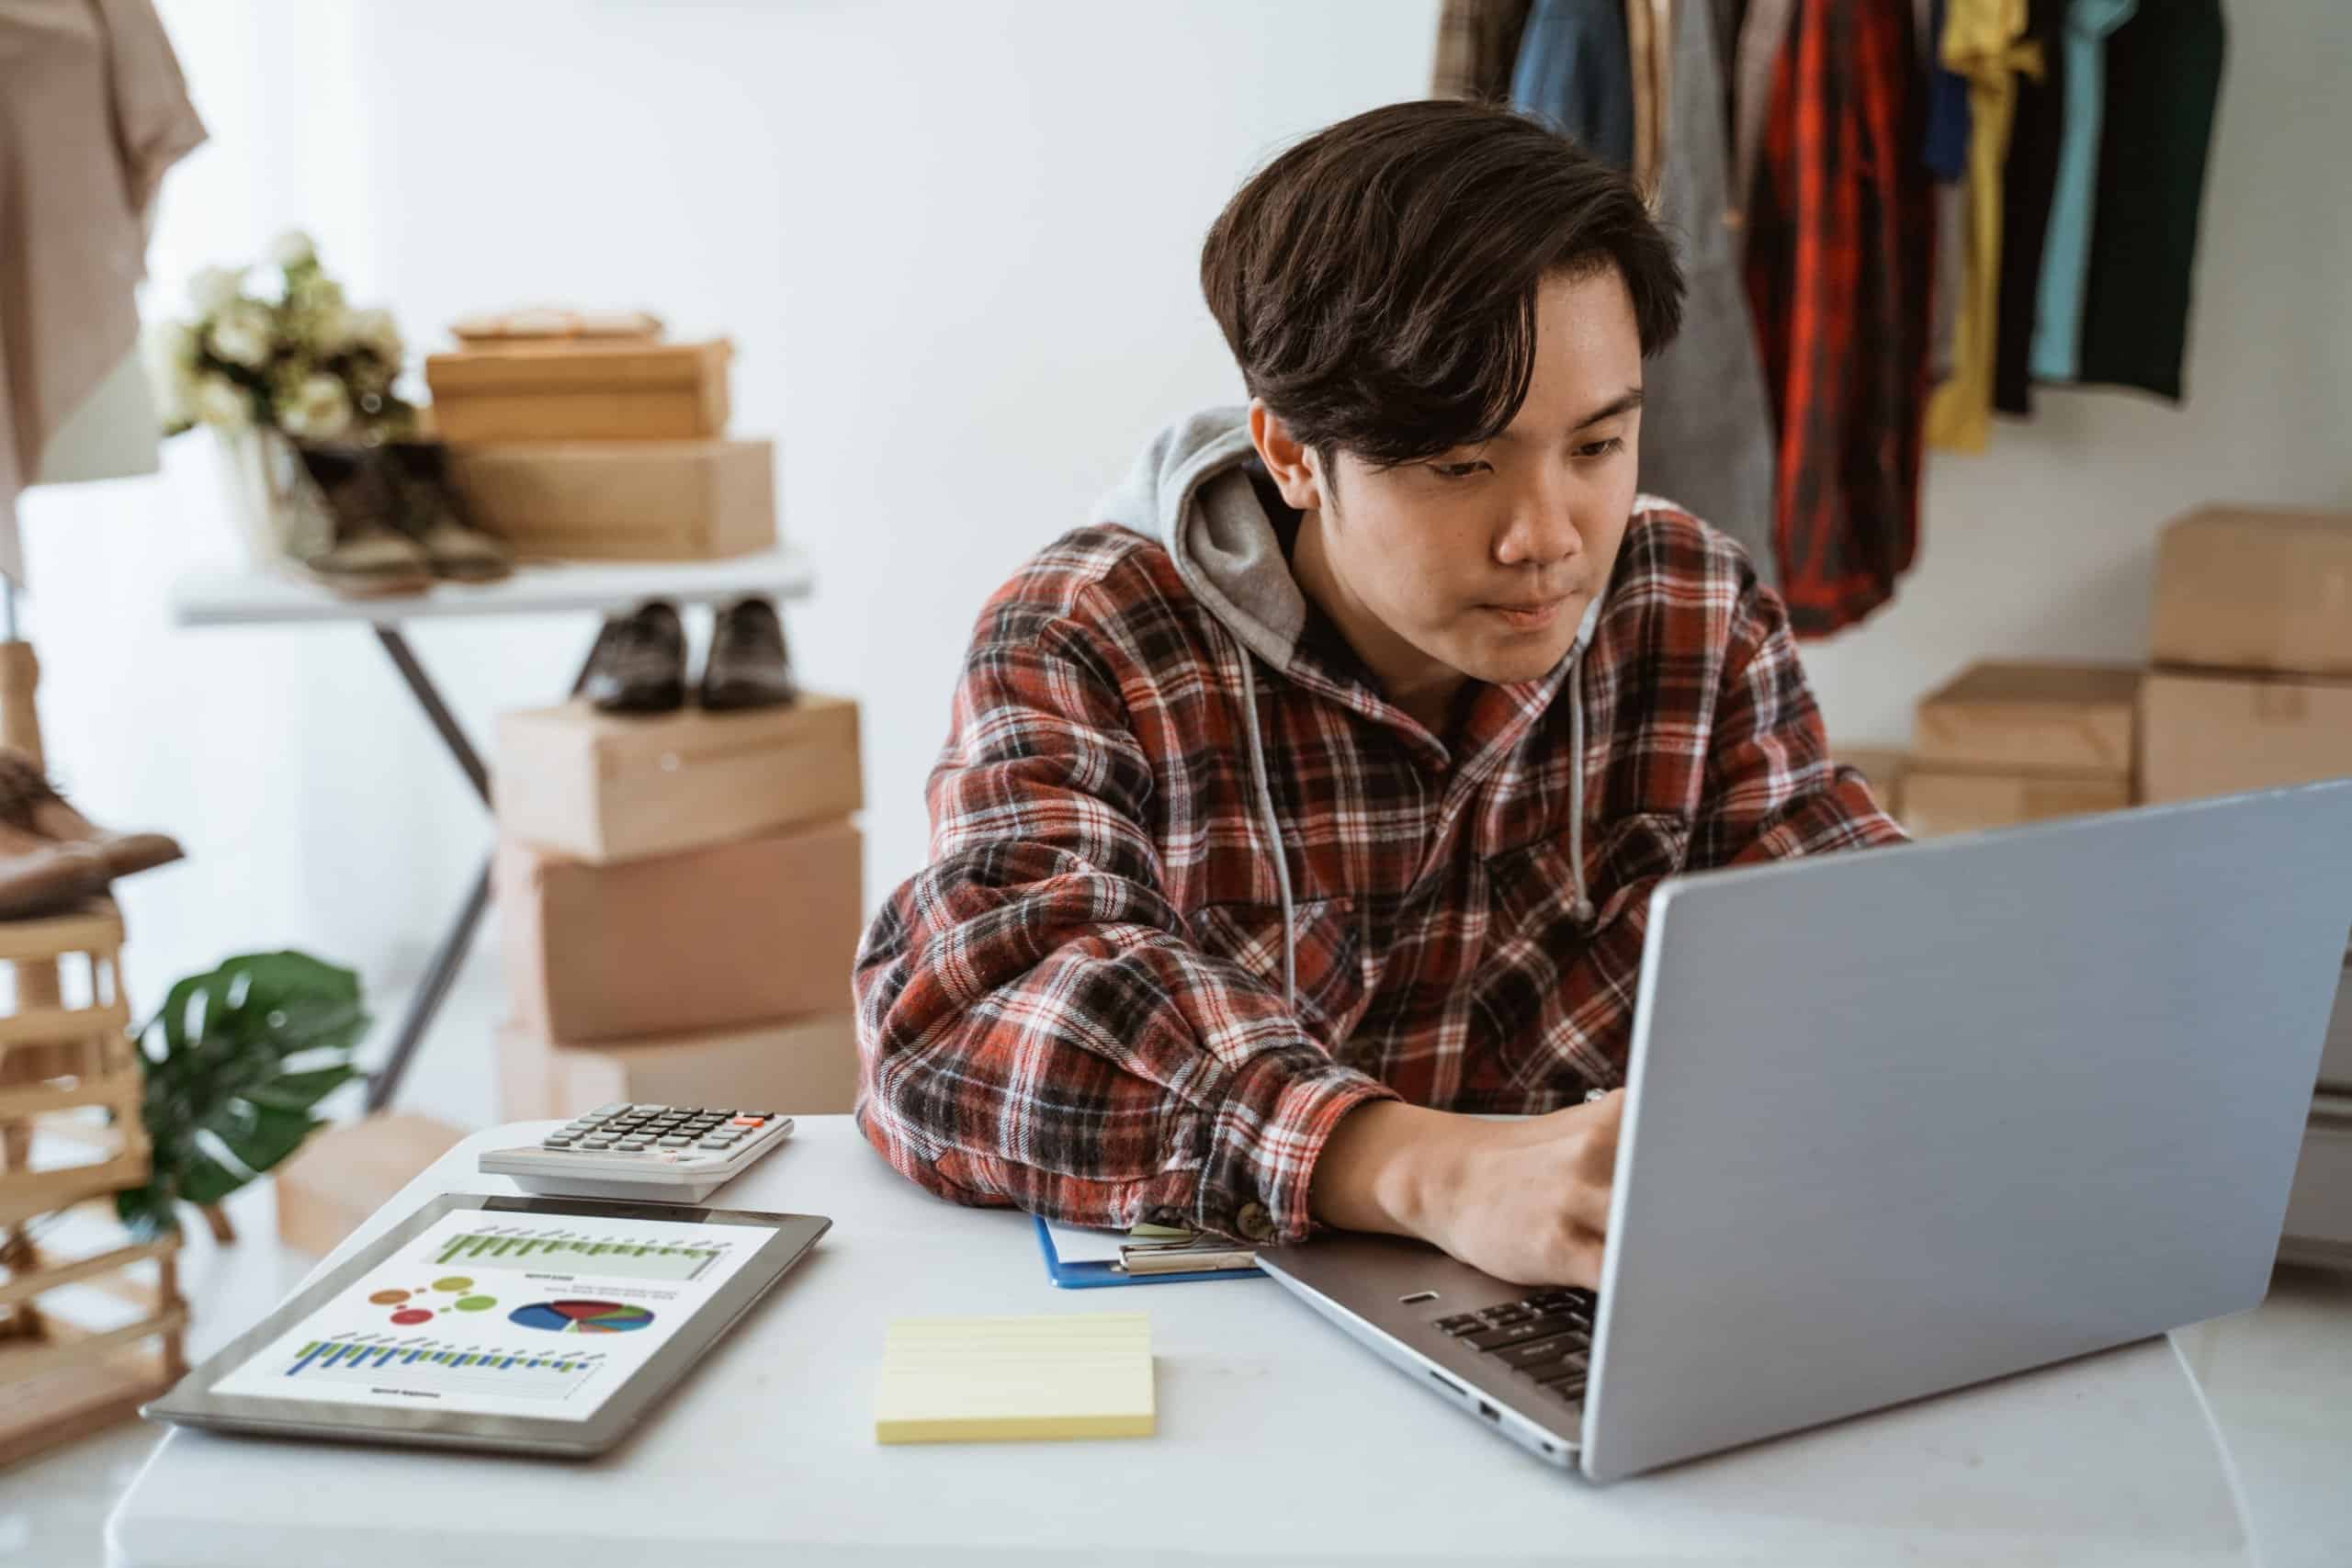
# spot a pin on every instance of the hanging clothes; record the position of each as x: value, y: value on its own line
x: 2028, y: 181
x: 2164, y: 82
x: 1478, y: 45
x: 1756, y: 67
x: 1574, y: 73
x: 1945, y: 148
x: 2066, y: 247
x: 1706, y: 422
x: 1985, y: 42
x: 1649, y: 49
x: 92, y: 111
x: 1729, y: 17
x: 1838, y: 241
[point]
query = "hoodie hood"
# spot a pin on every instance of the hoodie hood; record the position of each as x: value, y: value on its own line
x: 1190, y: 489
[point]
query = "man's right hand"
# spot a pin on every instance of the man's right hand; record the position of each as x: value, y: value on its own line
x: 1526, y: 1201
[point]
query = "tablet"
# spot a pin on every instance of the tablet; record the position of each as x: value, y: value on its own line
x: 543, y: 1325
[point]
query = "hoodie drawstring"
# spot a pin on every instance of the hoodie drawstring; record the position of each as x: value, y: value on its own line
x: 1274, y: 825
x: 1581, y: 912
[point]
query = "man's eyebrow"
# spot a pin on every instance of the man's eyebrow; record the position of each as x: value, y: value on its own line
x: 1624, y: 402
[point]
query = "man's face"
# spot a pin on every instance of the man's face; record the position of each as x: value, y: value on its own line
x: 1480, y: 561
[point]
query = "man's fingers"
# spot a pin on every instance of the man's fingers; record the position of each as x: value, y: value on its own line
x: 1604, y: 1117
x: 1583, y: 1262
x: 1587, y: 1208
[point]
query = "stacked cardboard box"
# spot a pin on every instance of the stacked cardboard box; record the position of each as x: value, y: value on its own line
x: 680, y: 903
x: 2253, y: 643
x: 2253, y: 690
x: 2009, y: 743
x: 602, y: 448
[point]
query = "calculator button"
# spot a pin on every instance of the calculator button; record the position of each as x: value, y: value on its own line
x: 632, y: 1146
x: 716, y: 1144
x: 608, y: 1109
x: 749, y: 1121
x: 677, y: 1141
x: 649, y: 1110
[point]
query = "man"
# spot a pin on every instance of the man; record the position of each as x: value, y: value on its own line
x: 1309, y: 804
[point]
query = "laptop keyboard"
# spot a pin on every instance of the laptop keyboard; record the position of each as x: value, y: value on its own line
x: 1545, y: 1337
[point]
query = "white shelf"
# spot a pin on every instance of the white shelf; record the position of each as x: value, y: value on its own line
x: 257, y: 596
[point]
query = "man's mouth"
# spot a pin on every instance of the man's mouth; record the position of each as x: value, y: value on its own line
x: 1528, y: 615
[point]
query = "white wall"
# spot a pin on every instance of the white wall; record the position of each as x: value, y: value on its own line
x: 954, y: 245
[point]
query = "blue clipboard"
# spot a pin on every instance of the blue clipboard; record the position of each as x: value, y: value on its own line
x: 1095, y: 1276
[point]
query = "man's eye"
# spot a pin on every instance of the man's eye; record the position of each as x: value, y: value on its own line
x: 1455, y: 470
x: 1601, y: 448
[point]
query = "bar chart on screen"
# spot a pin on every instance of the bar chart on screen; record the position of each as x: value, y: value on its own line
x: 553, y: 1249
x: 435, y: 1367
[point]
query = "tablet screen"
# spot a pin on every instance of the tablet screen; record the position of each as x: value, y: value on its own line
x: 488, y: 1315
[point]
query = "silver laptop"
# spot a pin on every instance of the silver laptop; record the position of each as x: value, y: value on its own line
x: 1904, y: 1120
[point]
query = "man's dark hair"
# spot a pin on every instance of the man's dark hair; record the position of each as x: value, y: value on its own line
x: 1378, y: 282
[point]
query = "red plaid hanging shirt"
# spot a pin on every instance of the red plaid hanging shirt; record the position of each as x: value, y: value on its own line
x: 1079, y: 1006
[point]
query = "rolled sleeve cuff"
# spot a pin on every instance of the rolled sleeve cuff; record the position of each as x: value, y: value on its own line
x: 1267, y: 1134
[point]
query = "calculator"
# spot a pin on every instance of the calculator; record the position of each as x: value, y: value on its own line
x: 660, y: 1152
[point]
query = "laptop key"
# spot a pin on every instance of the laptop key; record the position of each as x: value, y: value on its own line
x: 1460, y: 1323
x: 1562, y: 1361
x: 1538, y: 1352
x: 1517, y: 1333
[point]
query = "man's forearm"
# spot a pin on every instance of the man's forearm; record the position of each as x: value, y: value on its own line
x: 1386, y: 1168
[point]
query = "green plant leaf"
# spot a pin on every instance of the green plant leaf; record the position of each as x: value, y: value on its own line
x: 299, y: 1091
x: 237, y: 1058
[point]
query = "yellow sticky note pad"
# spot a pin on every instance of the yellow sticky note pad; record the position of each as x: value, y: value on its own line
x: 977, y: 1380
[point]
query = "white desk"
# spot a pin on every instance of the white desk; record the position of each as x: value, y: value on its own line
x: 1280, y: 1442
x: 260, y: 596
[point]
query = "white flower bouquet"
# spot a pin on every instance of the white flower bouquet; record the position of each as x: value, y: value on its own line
x: 301, y: 361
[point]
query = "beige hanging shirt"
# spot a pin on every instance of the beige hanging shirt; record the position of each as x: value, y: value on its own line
x: 92, y: 111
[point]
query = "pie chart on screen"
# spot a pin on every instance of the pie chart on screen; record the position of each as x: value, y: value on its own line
x: 580, y: 1317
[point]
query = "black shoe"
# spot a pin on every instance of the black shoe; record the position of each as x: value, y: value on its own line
x: 639, y: 662
x: 748, y: 667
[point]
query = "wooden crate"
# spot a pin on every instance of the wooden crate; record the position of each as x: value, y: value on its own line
x: 70, y: 1135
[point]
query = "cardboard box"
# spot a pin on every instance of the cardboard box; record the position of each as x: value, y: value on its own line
x: 344, y: 1174
x: 610, y: 787
x: 2335, y: 1054
x: 580, y: 390
x: 2205, y: 734
x: 2030, y: 719
x: 2319, y: 1206
x: 728, y: 934
x: 2249, y: 588
x: 1883, y: 768
x: 628, y: 500
x: 1936, y: 803
x: 804, y: 1067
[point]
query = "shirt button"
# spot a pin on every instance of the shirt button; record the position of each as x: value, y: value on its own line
x: 1254, y: 1223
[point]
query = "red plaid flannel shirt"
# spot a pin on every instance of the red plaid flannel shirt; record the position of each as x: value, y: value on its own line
x: 1840, y: 256
x: 1078, y: 1008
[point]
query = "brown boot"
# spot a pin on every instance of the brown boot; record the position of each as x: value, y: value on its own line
x: 30, y: 804
x: 41, y: 876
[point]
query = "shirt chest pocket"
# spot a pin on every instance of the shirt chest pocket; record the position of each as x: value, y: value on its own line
x: 1531, y: 890
x: 1539, y: 1038
x: 1331, y: 983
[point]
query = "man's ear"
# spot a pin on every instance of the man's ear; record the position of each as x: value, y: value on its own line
x: 1295, y: 470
